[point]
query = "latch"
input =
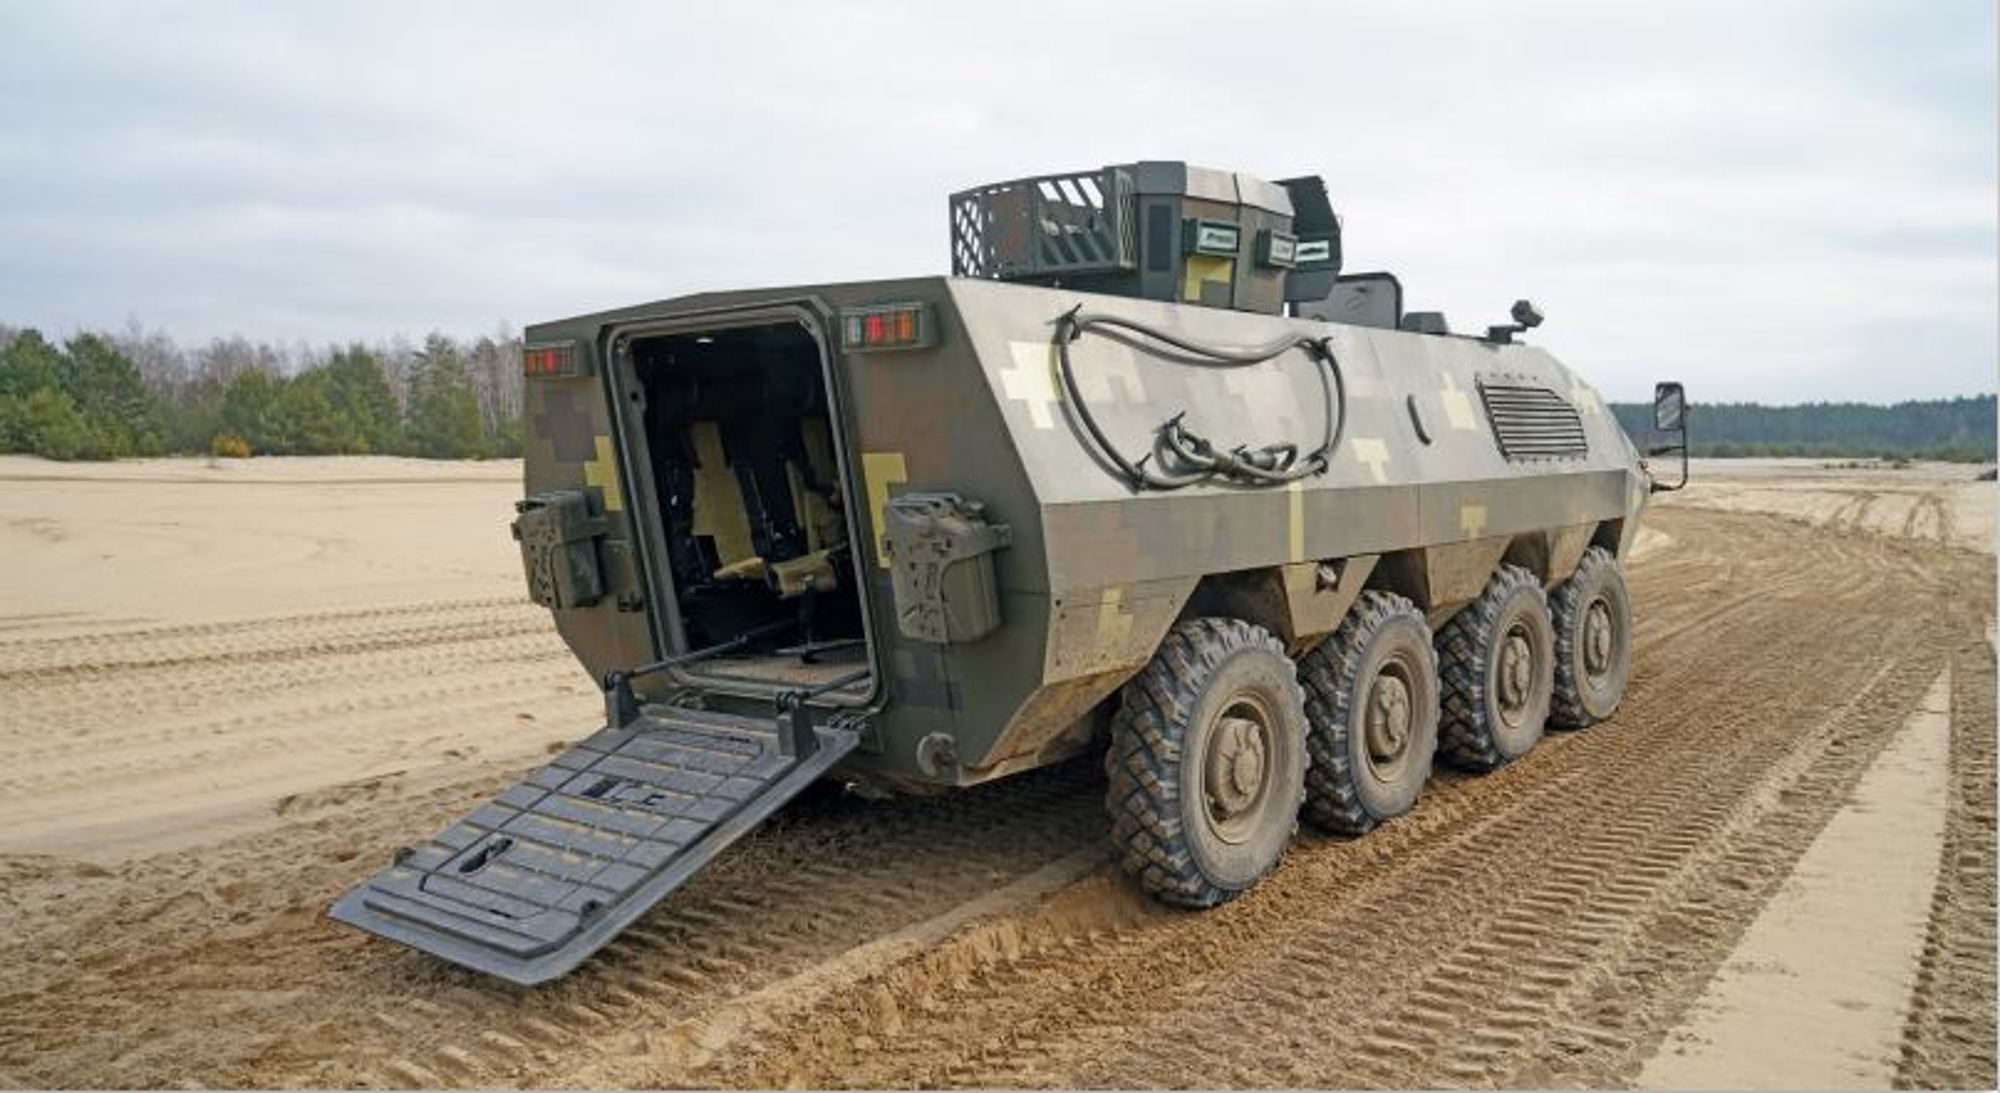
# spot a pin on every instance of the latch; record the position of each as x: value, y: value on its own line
x: 941, y: 548
x: 558, y: 537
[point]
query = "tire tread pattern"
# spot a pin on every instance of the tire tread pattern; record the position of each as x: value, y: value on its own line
x: 1143, y: 763
x: 1332, y: 802
x: 1566, y: 707
x: 1465, y: 735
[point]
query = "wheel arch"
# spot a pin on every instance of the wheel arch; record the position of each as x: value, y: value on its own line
x: 1300, y: 602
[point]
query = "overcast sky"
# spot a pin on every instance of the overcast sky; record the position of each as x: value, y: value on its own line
x: 1776, y: 201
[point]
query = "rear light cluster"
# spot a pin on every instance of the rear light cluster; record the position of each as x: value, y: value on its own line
x: 552, y: 360
x: 890, y: 326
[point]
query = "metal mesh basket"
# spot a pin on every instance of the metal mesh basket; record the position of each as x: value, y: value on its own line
x: 1048, y: 226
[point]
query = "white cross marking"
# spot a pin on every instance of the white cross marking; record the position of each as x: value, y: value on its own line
x: 1032, y: 380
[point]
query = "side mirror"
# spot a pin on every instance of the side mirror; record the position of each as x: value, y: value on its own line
x: 1669, y: 408
x: 1670, y: 415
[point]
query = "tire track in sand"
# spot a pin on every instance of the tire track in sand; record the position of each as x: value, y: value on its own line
x: 139, y: 739
x: 1948, y: 1042
x: 142, y: 950
x: 1531, y: 927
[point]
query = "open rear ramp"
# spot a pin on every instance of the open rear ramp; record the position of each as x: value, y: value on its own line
x: 542, y: 876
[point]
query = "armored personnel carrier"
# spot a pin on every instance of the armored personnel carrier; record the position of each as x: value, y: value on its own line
x: 1147, y: 477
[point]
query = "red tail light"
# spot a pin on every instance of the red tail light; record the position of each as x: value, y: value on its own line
x: 560, y: 359
x: 888, y: 326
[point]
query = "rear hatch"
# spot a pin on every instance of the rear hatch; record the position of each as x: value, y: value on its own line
x: 739, y: 490
x: 733, y: 437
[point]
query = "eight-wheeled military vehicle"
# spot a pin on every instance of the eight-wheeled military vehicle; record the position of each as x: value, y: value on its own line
x: 1148, y: 476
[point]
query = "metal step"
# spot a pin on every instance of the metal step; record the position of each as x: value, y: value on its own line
x: 542, y: 876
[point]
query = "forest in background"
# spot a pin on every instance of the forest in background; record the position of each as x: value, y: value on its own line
x: 1956, y: 429
x: 138, y: 392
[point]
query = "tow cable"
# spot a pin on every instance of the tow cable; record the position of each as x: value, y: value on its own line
x: 1182, y: 457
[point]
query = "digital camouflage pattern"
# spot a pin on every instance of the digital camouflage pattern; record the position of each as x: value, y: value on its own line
x: 1096, y: 572
x: 953, y: 466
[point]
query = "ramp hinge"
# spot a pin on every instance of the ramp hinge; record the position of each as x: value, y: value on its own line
x: 796, y: 737
x: 621, y: 702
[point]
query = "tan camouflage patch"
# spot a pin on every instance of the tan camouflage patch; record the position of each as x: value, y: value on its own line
x: 1114, y: 623
x: 1110, y: 629
x: 1204, y: 270
x: 879, y: 471
x: 602, y: 472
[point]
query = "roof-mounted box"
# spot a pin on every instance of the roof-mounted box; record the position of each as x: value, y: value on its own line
x: 1160, y: 230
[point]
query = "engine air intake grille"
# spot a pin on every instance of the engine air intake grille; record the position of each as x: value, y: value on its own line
x: 1533, y: 422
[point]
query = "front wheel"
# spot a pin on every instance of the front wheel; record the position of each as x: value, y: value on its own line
x: 1207, y: 762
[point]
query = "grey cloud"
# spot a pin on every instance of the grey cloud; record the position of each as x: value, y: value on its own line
x: 1752, y: 197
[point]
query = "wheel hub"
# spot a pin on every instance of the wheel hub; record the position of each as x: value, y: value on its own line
x: 1516, y: 675
x: 1597, y: 638
x: 1235, y: 771
x: 1388, y: 718
x: 1235, y: 767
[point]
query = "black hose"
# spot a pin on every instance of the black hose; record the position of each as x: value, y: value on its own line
x: 1196, y: 459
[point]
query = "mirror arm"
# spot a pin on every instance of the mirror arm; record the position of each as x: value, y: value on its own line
x: 1680, y: 446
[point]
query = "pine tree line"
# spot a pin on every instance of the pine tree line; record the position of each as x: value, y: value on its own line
x: 103, y: 395
x: 1956, y: 429
x: 138, y: 392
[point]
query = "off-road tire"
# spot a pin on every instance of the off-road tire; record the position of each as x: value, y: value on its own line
x: 1166, y: 722
x: 1583, y: 697
x: 1473, y: 731
x: 1350, y: 788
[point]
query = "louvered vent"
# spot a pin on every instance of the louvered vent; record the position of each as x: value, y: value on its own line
x: 1532, y: 422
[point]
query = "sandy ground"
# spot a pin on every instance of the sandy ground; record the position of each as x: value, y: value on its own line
x: 1816, y: 994
x: 195, y: 648
x: 1938, y: 502
x: 226, y: 693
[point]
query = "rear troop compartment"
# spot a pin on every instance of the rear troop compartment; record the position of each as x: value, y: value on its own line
x: 751, y: 511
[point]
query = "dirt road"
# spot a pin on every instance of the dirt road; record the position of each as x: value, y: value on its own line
x: 1545, y: 925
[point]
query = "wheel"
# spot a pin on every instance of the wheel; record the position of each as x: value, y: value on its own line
x: 1372, y: 707
x: 1207, y: 763
x: 1496, y: 669
x: 1592, y: 616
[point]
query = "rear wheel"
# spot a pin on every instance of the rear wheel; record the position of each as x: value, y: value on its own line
x: 1207, y: 762
x: 1592, y: 616
x: 1372, y: 706
x: 1496, y: 665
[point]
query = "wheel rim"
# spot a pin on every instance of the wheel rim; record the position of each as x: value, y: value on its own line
x: 1599, y: 641
x: 1236, y: 769
x: 1515, y: 675
x: 1387, y: 718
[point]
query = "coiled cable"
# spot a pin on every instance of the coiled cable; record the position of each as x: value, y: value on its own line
x: 1193, y: 458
